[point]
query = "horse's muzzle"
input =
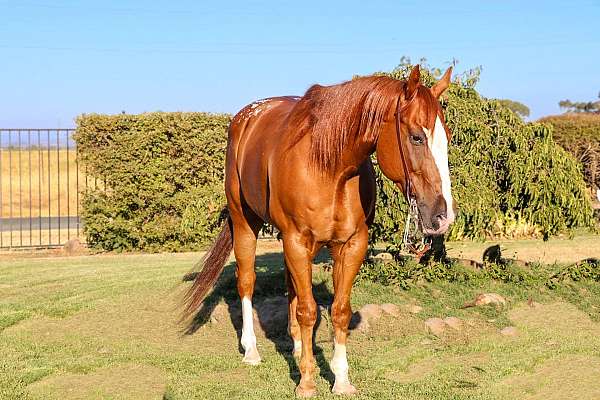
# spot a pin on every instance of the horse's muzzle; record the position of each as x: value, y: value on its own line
x: 437, y: 219
x: 439, y: 227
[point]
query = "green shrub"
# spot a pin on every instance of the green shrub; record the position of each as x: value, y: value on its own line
x: 164, y: 179
x: 509, y: 178
x: 579, y: 134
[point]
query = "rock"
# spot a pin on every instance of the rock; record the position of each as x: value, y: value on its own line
x: 509, y: 331
x: 383, y: 256
x: 486, y: 298
x: 492, y: 254
x: 391, y: 309
x: 190, y: 276
x: 73, y: 246
x: 370, y: 311
x: 357, y: 322
x: 415, y: 309
x: 470, y: 264
x: 272, y: 314
x: 219, y: 314
x: 453, y: 323
x: 435, y: 326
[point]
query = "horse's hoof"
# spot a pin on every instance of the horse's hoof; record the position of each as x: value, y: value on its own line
x: 306, y: 391
x: 251, y: 358
x: 345, y: 388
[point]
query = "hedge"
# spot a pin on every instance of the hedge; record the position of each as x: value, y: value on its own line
x: 164, y: 177
x: 579, y: 134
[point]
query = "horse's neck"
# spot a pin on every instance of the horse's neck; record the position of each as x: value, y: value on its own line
x: 356, y: 153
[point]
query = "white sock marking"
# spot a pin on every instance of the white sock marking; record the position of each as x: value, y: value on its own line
x: 438, y: 145
x: 339, y: 363
x: 297, y: 346
x: 248, y: 338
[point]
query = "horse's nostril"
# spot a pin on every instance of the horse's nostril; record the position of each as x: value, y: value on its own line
x: 441, y: 216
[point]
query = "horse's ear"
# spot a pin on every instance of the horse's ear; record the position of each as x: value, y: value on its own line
x: 413, y: 81
x: 442, y: 84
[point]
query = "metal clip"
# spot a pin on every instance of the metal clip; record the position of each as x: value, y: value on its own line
x: 413, y: 240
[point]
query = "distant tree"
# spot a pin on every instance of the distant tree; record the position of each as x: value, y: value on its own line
x: 581, y: 106
x: 518, y: 108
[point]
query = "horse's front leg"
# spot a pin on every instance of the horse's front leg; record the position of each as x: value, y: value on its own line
x: 293, y: 325
x: 298, y: 252
x: 348, y: 257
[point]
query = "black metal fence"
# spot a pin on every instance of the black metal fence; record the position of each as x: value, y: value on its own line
x: 40, y: 188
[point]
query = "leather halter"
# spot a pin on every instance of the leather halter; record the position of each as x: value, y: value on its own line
x: 413, y: 217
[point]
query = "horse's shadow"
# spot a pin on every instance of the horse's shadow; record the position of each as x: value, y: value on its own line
x: 270, y: 304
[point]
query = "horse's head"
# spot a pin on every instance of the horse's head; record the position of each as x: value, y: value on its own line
x: 414, y: 142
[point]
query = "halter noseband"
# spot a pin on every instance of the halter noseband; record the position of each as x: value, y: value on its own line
x: 412, y: 231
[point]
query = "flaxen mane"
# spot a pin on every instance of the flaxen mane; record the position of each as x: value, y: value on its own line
x: 336, y: 115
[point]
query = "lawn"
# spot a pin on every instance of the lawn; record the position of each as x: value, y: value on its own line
x: 106, y: 327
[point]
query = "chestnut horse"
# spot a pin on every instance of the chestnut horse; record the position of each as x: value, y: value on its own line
x: 303, y: 165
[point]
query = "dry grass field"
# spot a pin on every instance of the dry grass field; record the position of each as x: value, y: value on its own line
x: 46, y: 178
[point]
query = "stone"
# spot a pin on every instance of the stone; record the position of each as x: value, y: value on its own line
x: 435, y: 326
x: 391, y: 309
x: 370, y: 311
x: 453, y: 323
x: 219, y: 314
x: 415, y: 309
x: 383, y: 256
x: 486, y: 298
x: 272, y: 314
x: 470, y: 264
x: 357, y: 322
x: 73, y: 246
x: 509, y: 331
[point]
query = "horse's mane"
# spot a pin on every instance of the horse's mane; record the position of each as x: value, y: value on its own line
x: 335, y: 115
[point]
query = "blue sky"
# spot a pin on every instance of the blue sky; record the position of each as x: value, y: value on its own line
x: 62, y: 58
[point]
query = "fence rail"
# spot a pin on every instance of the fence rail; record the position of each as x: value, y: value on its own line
x: 40, y: 188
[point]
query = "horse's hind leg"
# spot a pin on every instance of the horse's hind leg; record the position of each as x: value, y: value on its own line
x: 246, y: 226
x: 348, y: 258
x: 298, y: 252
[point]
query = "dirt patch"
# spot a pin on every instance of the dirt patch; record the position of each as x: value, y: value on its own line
x: 571, y: 377
x: 120, y: 382
x: 425, y: 368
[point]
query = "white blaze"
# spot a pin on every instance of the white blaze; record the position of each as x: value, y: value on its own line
x: 438, y: 145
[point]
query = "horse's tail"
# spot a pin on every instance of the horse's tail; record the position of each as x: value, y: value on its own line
x: 212, y: 264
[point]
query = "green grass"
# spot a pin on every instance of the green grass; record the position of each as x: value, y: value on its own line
x: 106, y: 327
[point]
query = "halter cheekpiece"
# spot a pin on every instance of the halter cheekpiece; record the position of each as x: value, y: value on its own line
x: 412, y: 240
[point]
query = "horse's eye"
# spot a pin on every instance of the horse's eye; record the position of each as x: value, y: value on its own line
x: 417, y: 140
